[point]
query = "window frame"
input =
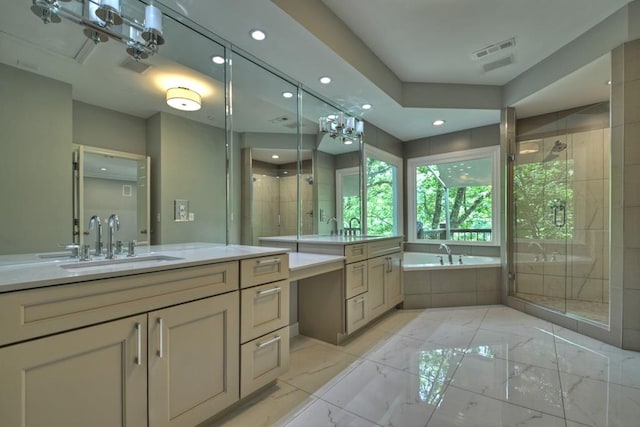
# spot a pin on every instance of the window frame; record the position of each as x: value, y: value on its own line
x: 384, y: 156
x: 493, y: 153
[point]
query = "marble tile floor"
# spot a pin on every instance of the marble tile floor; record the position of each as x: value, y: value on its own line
x: 476, y: 366
x: 590, y: 310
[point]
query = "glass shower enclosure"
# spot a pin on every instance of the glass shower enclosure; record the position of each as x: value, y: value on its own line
x: 560, y: 206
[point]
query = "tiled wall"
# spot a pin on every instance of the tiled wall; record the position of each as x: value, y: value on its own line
x: 451, y: 287
x: 625, y: 193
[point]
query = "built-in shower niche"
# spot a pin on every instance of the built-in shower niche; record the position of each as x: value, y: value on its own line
x: 561, y: 206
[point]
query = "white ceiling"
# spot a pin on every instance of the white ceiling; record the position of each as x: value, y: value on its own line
x: 424, y: 41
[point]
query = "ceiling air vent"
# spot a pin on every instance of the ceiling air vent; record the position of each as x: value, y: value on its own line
x: 494, y: 48
x: 135, y: 66
x: 503, y: 62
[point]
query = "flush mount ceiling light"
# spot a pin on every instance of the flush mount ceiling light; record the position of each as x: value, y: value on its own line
x: 366, y: 106
x: 258, y: 35
x: 183, y: 99
x: 325, y: 80
x: 438, y: 122
x: 217, y: 59
x: 287, y: 94
x: 104, y: 19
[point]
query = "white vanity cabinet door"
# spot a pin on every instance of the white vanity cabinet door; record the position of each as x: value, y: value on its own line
x: 377, y: 295
x: 355, y: 253
x: 193, y: 360
x: 264, y: 360
x: 96, y: 376
x: 264, y: 309
x: 356, y: 279
x: 393, y: 278
x: 357, y: 313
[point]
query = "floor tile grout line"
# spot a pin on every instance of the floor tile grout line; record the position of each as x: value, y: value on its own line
x: 555, y: 349
x: 464, y: 353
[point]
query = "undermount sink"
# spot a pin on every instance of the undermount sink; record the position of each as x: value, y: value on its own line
x: 129, y: 260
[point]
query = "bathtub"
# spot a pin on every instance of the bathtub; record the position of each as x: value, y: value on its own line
x: 413, y: 261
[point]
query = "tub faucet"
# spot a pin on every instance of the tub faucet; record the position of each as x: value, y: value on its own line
x: 351, y: 229
x: 540, y: 249
x: 114, y: 225
x: 448, y: 250
x: 95, y: 223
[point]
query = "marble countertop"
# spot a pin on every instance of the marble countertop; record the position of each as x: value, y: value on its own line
x: 19, y: 272
x: 326, y: 239
x: 302, y: 260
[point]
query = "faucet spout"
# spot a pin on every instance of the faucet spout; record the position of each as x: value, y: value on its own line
x: 351, y: 229
x: 95, y: 223
x: 114, y: 225
x: 333, y: 219
x: 447, y: 249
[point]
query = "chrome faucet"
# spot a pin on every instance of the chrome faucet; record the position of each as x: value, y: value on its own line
x: 351, y: 229
x: 334, y: 219
x: 95, y: 223
x: 540, y: 249
x: 448, y: 250
x: 114, y: 225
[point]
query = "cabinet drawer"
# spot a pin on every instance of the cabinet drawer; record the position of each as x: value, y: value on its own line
x: 384, y: 247
x: 355, y: 253
x: 264, y: 309
x: 37, y: 312
x: 355, y: 279
x: 256, y: 271
x: 263, y: 360
x: 357, y: 313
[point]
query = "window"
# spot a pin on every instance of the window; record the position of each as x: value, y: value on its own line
x: 454, y: 197
x: 383, y: 204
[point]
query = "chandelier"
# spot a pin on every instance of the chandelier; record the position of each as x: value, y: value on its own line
x: 341, y: 126
x: 104, y: 20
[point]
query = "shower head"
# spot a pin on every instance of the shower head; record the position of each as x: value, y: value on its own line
x: 558, y: 147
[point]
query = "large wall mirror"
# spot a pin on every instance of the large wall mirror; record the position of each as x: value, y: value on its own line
x: 67, y: 90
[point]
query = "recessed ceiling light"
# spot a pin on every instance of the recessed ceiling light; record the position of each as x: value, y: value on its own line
x: 366, y: 106
x: 103, y: 169
x: 287, y: 94
x: 258, y: 35
x: 438, y: 122
x: 608, y: 82
x: 285, y: 172
x: 325, y: 80
x: 347, y: 142
x: 217, y: 59
x: 275, y: 156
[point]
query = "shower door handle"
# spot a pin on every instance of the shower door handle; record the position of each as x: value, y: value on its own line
x: 559, y: 209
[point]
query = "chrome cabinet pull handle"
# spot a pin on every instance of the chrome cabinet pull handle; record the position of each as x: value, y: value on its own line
x: 269, y: 291
x: 268, y: 261
x: 161, y: 342
x: 268, y: 342
x: 139, y: 342
x: 358, y: 301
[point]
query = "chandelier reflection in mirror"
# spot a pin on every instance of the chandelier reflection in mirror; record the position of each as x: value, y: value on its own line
x: 104, y: 19
x: 347, y: 128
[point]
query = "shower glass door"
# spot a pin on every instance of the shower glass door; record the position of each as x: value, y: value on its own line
x: 561, y: 204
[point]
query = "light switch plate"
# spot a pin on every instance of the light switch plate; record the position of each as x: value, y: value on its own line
x: 180, y: 210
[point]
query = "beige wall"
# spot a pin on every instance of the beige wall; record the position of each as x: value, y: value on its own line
x: 104, y: 197
x: 35, y: 162
x: 188, y: 163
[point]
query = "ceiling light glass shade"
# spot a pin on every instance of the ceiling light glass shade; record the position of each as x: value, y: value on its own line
x: 90, y: 9
x: 341, y: 125
x: 153, y: 26
x: 109, y: 12
x: 183, y: 99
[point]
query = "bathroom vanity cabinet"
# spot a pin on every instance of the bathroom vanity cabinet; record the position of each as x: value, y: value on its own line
x: 332, y: 308
x: 160, y: 348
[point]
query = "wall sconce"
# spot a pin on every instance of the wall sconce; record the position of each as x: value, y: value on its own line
x: 339, y: 125
x: 104, y: 20
x: 183, y: 99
